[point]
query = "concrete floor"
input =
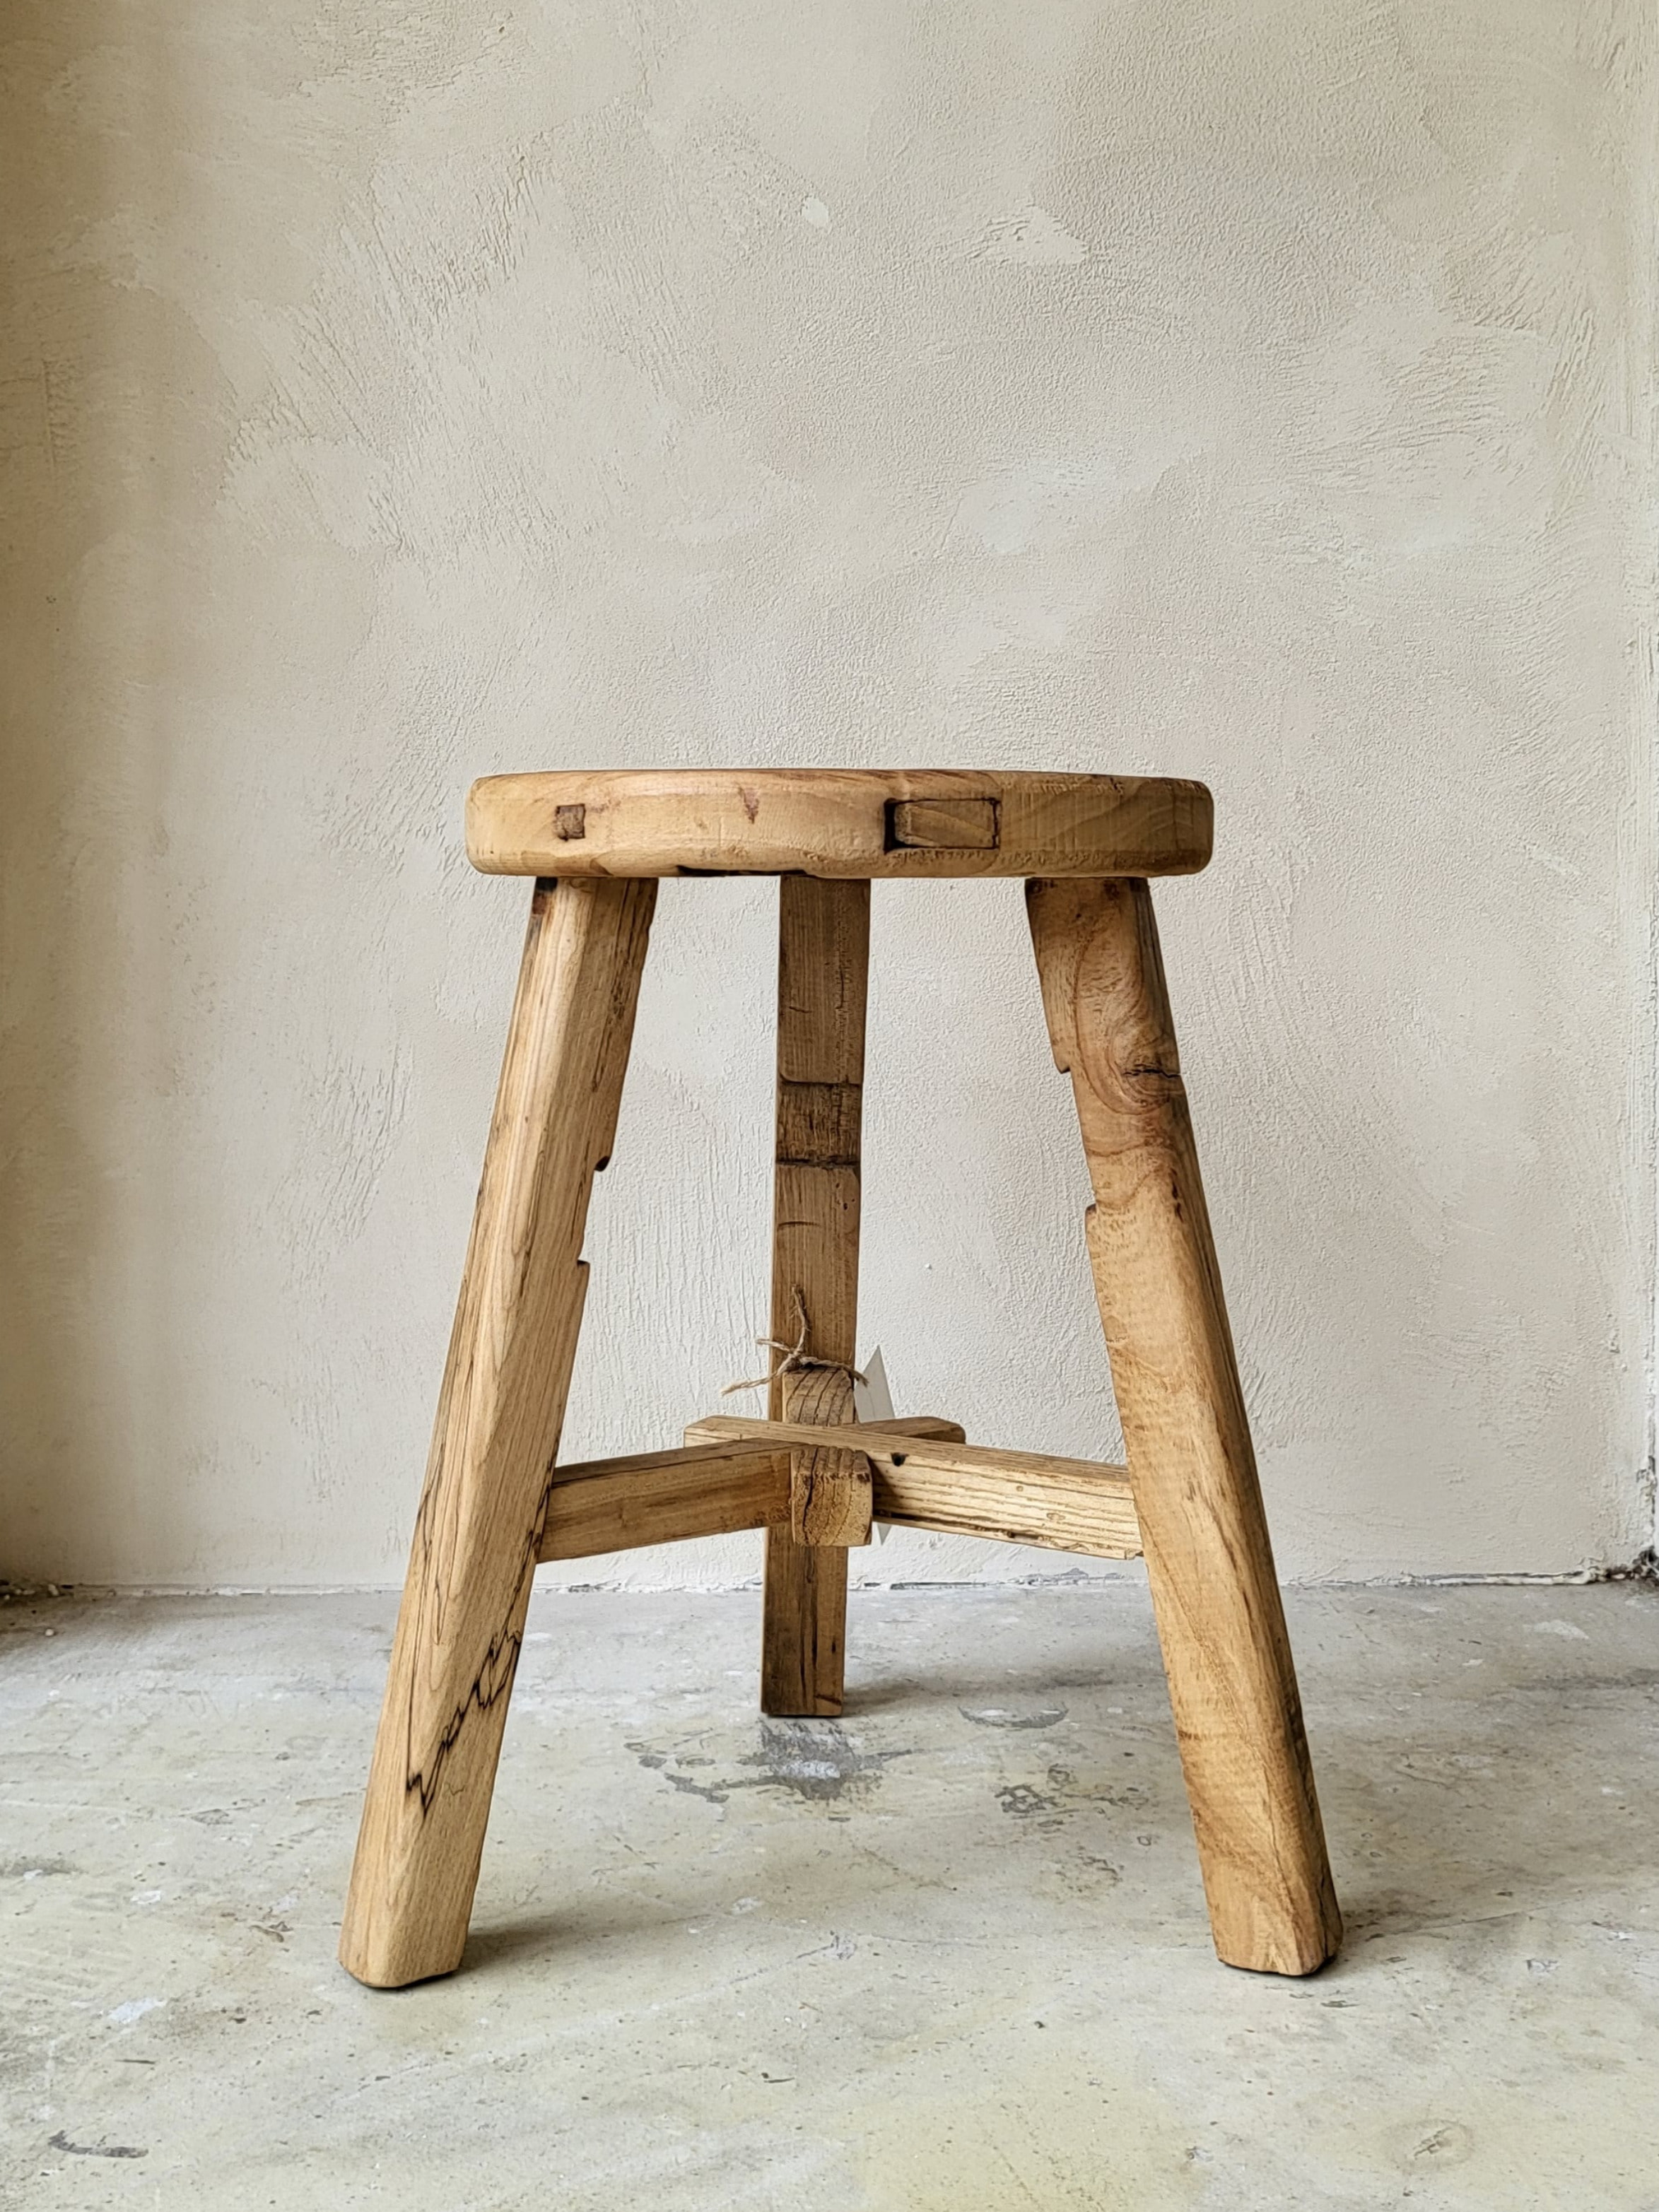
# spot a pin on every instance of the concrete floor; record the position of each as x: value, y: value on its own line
x: 947, y: 1956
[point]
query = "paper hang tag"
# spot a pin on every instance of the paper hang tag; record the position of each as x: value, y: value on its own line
x: 872, y: 1401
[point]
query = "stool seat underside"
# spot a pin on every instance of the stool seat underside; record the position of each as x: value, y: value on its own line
x: 836, y: 822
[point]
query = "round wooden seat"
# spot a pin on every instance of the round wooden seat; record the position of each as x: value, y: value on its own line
x: 836, y: 822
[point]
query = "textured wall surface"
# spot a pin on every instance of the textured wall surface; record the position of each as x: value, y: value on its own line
x: 1243, y: 391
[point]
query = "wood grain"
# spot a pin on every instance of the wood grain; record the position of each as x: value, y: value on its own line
x: 836, y: 822
x: 944, y: 825
x: 478, y: 1530
x: 830, y: 1496
x: 1232, y: 1684
x: 974, y: 1490
x: 823, y: 952
x: 663, y: 1497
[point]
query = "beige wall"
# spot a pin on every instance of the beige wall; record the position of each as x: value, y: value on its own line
x: 1250, y: 392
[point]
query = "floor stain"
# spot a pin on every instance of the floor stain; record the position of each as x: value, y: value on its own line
x: 665, y: 1764
x: 1450, y: 2143
x: 814, y: 1761
x: 61, y: 2142
x: 1024, y: 1802
x: 1049, y: 1804
x: 1003, y: 1716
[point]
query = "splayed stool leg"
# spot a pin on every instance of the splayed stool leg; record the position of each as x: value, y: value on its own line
x: 478, y: 1531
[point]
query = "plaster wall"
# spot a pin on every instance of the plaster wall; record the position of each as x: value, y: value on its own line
x: 1243, y: 391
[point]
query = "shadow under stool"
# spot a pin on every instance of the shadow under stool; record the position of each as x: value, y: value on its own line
x: 495, y: 1501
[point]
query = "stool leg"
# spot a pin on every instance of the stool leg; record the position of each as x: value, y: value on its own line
x: 497, y: 1434
x: 1232, y: 1685
x: 823, y: 959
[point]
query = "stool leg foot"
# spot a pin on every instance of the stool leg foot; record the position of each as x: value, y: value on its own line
x: 496, y: 1435
x: 803, y: 1648
x: 1232, y: 1684
x: 823, y: 959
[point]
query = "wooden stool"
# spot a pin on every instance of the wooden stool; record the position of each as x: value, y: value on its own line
x: 495, y: 1503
